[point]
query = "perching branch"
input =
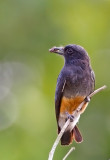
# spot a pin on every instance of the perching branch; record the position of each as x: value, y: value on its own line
x: 58, y: 139
x: 76, y: 116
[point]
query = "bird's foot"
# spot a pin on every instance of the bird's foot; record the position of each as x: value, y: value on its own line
x: 69, y: 116
x: 87, y: 99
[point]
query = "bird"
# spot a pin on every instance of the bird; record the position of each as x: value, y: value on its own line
x: 74, y: 83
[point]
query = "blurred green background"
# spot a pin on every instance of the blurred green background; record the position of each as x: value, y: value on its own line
x: 28, y: 74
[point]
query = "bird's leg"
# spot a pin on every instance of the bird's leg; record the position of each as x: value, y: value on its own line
x: 69, y: 116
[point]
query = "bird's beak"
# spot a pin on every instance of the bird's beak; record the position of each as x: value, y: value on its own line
x: 58, y: 50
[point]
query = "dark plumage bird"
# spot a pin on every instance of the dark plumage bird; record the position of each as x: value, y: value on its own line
x: 75, y: 82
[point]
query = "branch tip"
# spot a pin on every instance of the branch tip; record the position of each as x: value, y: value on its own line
x: 68, y: 153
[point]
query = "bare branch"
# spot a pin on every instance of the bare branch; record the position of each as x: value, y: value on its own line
x: 76, y: 116
x: 72, y: 148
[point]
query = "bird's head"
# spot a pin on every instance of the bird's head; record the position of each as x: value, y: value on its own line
x: 71, y: 52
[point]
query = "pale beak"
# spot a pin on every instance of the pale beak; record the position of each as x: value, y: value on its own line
x: 58, y: 50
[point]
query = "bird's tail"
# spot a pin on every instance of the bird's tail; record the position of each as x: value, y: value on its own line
x: 68, y: 136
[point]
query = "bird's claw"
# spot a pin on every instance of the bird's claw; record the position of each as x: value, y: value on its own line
x: 87, y: 99
x: 69, y: 116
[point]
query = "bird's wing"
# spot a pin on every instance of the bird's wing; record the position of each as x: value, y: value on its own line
x: 61, y: 82
x: 93, y: 79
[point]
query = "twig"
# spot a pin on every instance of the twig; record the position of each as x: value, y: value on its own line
x: 72, y: 148
x: 97, y: 90
x: 76, y: 116
x: 91, y: 95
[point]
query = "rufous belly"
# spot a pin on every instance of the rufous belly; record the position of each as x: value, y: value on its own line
x: 70, y: 104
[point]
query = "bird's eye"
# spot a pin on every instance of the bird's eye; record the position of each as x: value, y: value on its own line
x: 70, y: 51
